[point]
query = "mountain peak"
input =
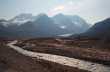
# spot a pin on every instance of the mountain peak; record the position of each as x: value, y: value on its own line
x: 21, y: 18
x: 107, y: 20
x: 100, y: 29
x: 42, y: 15
x: 3, y: 20
x: 104, y: 22
x: 59, y: 15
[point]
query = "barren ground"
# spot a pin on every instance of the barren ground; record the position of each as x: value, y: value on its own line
x: 90, y: 50
x: 11, y: 61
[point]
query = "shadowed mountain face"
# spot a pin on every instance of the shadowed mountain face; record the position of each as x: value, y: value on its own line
x: 72, y: 24
x: 26, y: 25
x: 99, y: 30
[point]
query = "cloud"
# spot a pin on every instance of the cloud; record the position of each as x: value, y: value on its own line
x: 59, y: 8
x: 70, y: 2
x: 55, y: 10
x: 64, y: 8
x: 91, y: 10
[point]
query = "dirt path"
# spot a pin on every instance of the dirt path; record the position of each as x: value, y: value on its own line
x: 81, y: 64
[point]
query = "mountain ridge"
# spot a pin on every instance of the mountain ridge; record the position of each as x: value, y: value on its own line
x: 41, y: 26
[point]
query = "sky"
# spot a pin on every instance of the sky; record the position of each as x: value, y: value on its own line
x: 91, y: 10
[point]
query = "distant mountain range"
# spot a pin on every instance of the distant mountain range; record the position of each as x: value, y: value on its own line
x: 71, y: 24
x: 100, y: 30
x: 27, y: 26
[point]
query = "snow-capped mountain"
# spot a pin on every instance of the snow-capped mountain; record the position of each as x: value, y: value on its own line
x: 72, y: 23
x: 27, y: 25
x: 100, y: 30
x: 22, y: 18
x: 4, y: 22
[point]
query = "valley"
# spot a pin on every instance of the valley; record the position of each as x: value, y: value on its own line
x: 55, y: 36
x: 13, y: 61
